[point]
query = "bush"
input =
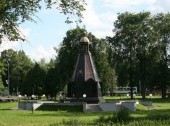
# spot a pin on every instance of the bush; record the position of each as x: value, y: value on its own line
x: 123, y: 115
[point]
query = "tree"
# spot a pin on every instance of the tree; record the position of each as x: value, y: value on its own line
x: 69, y: 51
x: 99, y: 50
x: 132, y: 43
x: 17, y: 64
x: 2, y: 71
x: 6, y: 57
x: 34, y: 81
x: 52, y: 85
x: 15, y: 12
x: 21, y: 65
x: 67, y: 54
x: 163, y: 28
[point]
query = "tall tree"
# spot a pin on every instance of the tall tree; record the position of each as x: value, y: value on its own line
x: 17, y: 65
x: 69, y: 51
x: 34, y: 81
x: 52, y: 82
x: 132, y: 43
x: 15, y: 12
x: 51, y: 85
x: 2, y: 72
x: 7, y: 57
x: 99, y: 49
x: 163, y: 27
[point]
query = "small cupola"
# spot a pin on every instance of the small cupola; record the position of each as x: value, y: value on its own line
x: 84, y: 42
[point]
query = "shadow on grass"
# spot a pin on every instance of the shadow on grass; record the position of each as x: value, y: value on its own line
x: 153, y: 99
x: 157, y: 100
x: 61, y: 114
x: 75, y: 108
x: 153, y: 117
x: 5, y: 109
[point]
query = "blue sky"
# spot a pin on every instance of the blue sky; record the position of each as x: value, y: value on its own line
x: 50, y: 27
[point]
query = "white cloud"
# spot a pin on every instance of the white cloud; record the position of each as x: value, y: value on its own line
x: 129, y: 2
x: 90, y: 17
x: 34, y: 53
x: 160, y: 6
x: 155, y: 6
x: 100, y: 24
x: 6, y: 44
x: 25, y: 32
x: 99, y: 17
x: 127, y: 5
x: 42, y: 53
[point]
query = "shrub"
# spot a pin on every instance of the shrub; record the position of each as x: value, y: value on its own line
x: 123, y: 115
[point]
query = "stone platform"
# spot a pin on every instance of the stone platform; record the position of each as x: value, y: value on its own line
x: 8, y: 99
x: 90, y: 100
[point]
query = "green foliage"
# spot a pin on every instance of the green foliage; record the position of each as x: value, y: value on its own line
x: 34, y: 81
x: 2, y: 70
x: 99, y: 50
x: 51, y: 86
x: 69, y: 51
x: 122, y: 116
x: 67, y: 55
x: 13, y: 13
x: 19, y: 64
x: 139, y: 50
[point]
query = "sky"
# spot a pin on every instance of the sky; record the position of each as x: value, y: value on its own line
x: 50, y: 27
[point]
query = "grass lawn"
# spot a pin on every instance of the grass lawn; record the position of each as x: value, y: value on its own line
x: 10, y: 116
x: 13, y: 117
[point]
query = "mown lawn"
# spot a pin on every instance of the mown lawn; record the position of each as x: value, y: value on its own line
x: 10, y: 116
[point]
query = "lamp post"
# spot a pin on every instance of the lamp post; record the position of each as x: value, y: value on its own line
x: 19, y: 96
x: 127, y: 95
x: 84, y: 95
x: 134, y: 96
x: 150, y: 95
x: 32, y: 96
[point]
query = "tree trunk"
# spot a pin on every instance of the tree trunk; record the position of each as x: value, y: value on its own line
x: 143, y: 89
x: 164, y: 79
x: 165, y: 73
x: 163, y: 90
x: 143, y: 76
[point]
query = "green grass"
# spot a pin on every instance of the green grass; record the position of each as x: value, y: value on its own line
x: 13, y: 117
x: 10, y: 116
